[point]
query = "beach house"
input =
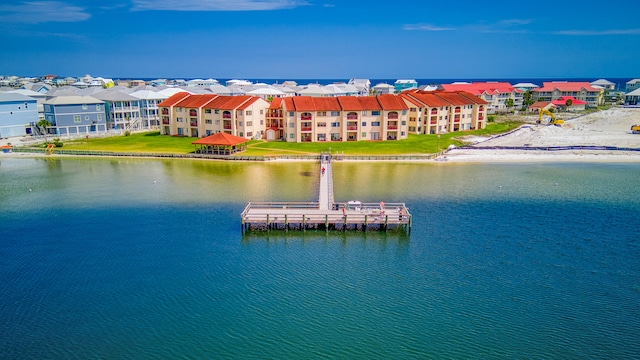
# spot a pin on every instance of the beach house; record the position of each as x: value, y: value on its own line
x: 75, y: 114
x: 123, y: 110
x: 17, y: 113
x: 404, y: 84
x: 632, y: 85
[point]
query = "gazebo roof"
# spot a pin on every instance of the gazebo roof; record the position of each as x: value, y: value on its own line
x: 222, y: 139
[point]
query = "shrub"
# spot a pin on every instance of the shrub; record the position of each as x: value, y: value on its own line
x: 57, y: 143
x: 491, y: 118
x: 127, y: 133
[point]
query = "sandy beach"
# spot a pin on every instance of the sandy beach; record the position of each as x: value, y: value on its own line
x: 604, y: 128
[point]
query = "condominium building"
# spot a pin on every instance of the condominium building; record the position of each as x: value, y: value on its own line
x: 185, y: 114
x: 493, y: 92
x: 583, y: 91
x: 341, y: 118
x: 435, y: 112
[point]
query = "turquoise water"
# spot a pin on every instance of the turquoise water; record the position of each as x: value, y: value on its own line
x: 145, y: 259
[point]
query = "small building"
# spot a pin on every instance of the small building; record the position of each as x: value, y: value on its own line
x: 17, y: 113
x: 404, y: 84
x: 605, y: 84
x: 383, y: 88
x: 123, y: 110
x: 569, y: 103
x: 220, y: 144
x: 536, y: 107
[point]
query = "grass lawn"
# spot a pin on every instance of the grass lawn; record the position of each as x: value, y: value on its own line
x: 153, y: 142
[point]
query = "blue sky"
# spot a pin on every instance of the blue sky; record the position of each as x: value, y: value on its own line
x: 308, y: 39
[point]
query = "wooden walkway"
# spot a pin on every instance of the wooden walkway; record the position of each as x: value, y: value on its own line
x: 325, y: 214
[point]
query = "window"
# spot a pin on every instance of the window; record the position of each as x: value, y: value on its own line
x: 322, y: 137
x: 85, y: 106
x: 249, y: 133
x: 47, y: 108
x: 261, y: 122
x: 249, y: 123
x: 404, y: 122
x: 292, y: 125
x: 97, y: 107
x: 180, y: 131
x: 412, y: 109
x: 178, y: 109
x: 208, y: 132
x: 239, y: 113
x: 77, y: 119
x: 241, y: 125
x: 322, y: 113
x: 335, y: 113
x: 99, y: 117
x: 179, y: 119
x: 217, y: 122
x: 402, y: 133
x: 208, y: 121
x: 216, y: 111
x: 364, y: 123
x: 322, y: 124
x: 375, y: 123
x: 335, y: 124
x: 261, y: 111
x: 86, y: 117
x: 241, y: 134
x: 364, y: 113
x: 291, y: 136
x: 335, y: 137
x: 248, y: 113
x: 364, y: 135
x: 375, y: 113
x: 291, y: 113
x: 207, y: 111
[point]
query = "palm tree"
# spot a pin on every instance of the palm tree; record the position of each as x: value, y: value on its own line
x: 527, y: 99
x: 42, y: 126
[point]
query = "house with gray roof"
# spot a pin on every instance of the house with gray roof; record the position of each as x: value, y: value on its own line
x: 123, y: 110
x: 632, y: 85
x: 605, y: 84
x: 149, y: 101
x: 75, y: 115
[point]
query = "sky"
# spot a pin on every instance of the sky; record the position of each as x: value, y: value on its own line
x: 324, y: 39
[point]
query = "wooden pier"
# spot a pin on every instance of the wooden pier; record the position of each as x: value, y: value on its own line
x: 325, y: 214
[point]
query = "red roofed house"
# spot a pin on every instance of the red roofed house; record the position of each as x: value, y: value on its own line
x: 220, y: 143
x: 435, y: 112
x: 196, y: 115
x: 493, y: 92
x: 583, y: 91
x: 569, y: 103
x: 541, y: 105
x: 341, y: 118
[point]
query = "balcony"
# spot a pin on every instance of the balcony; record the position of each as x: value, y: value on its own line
x: 165, y: 122
x: 392, y: 127
x: 227, y: 127
x: 226, y: 116
x: 352, y: 117
x: 165, y: 111
x: 193, y: 123
x: 306, y: 128
x: 352, y: 127
x: 306, y: 117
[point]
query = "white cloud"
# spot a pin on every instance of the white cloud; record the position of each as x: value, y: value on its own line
x: 425, y: 27
x: 598, y: 32
x: 217, y: 5
x: 35, y: 12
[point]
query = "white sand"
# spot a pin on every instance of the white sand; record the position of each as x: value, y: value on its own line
x: 604, y: 128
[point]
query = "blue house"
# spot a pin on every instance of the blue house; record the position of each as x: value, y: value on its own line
x: 17, y: 112
x: 402, y: 85
x: 75, y: 115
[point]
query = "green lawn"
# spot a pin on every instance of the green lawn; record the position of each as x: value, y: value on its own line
x: 153, y: 142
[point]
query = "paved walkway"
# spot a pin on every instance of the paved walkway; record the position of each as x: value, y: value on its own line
x: 325, y: 197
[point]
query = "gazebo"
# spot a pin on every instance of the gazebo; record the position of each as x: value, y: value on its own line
x: 220, y: 144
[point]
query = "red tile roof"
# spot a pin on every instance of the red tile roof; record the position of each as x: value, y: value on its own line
x: 472, y: 98
x: 391, y: 102
x: 540, y: 104
x: 276, y: 103
x: 288, y: 104
x: 478, y: 88
x: 349, y: 103
x: 428, y: 99
x: 196, y: 101
x: 326, y: 104
x: 566, y: 86
x: 221, y: 138
x: 303, y: 103
x: 369, y: 103
x: 453, y: 98
x: 174, y: 99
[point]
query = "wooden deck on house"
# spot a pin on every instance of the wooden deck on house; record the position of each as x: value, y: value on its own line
x: 325, y: 214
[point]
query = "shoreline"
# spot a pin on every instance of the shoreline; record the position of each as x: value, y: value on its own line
x: 453, y: 156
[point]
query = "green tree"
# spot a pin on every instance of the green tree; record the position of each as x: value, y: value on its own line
x: 527, y: 99
x: 42, y: 126
x: 509, y: 103
x: 568, y: 103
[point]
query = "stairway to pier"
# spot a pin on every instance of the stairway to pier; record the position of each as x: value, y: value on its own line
x: 325, y: 197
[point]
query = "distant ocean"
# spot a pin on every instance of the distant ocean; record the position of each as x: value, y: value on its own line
x: 620, y: 82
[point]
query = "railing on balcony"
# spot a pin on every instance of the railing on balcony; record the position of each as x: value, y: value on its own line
x: 227, y: 127
x: 165, y: 111
x: 165, y: 122
x: 305, y: 117
x: 194, y: 123
x: 352, y: 117
x: 392, y: 127
x: 392, y: 116
x: 193, y: 113
x: 352, y: 127
x: 305, y: 128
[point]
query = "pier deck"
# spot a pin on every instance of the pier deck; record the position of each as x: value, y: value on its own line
x: 325, y: 214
